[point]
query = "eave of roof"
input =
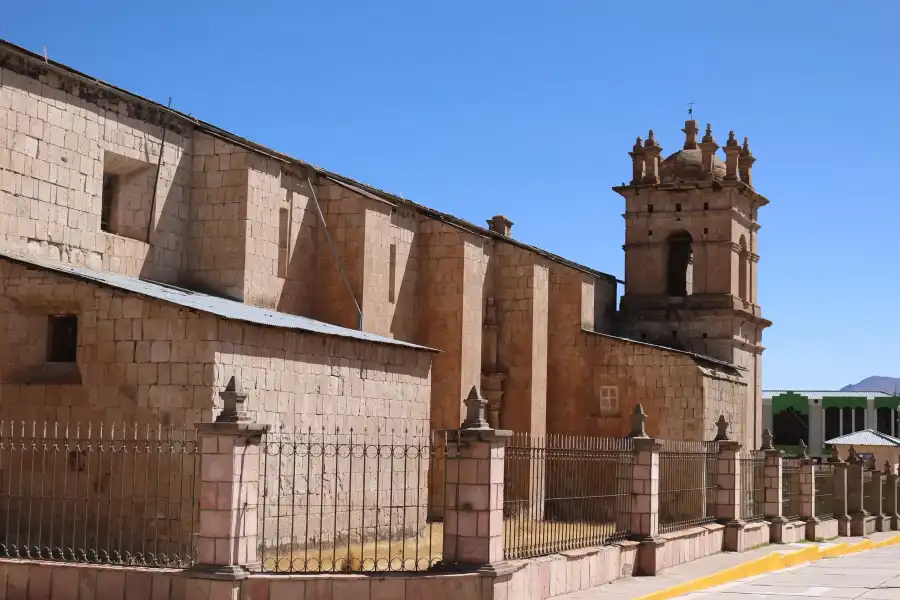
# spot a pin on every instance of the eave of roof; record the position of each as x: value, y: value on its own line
x: 220, y: 307
x: 866, y: 437
x: 211, y: 129
x: 819, y: 394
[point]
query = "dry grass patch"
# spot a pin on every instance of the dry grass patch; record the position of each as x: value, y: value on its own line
x: 524, y: 538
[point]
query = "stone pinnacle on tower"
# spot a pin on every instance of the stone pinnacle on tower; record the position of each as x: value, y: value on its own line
x: 708, y: 147
x: 732, y: 153
x: 652, y: 151
x: 637, y: 161
x: 746, y: 163
x: 690, y: 134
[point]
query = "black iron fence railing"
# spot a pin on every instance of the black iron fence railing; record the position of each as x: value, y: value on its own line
x: 565, y: 492
x: 824, y: 484
x: 753, y: 466
x: 687, y: 484
x: 869, y: 492
x: 98, y: 493
x: 349, y: 502
x: 790, y: 489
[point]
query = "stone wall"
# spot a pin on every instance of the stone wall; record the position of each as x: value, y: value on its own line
x: 345, y: 220
x: 218, y: 213
x: 281, y: 228
x: 521, y: 290
x: 147, y: 363
x: 607, y: 376
x: 59, y: 138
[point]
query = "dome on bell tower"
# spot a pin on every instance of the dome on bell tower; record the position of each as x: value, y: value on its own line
x: 687, y: 165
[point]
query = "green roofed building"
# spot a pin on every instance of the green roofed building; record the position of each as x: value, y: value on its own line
x: 816, y: 416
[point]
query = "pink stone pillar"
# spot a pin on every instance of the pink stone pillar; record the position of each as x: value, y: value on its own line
x: 877, y: 508
x: 841, y: 504
x: 773, y: 494
x: 773, y: 485
x: 890, y: 508
x: 855, y: 500
x: 728, y: 496
x: 728, y: 483
x: 473, y: 490
x: 227, y: 543
x: 644, y: 517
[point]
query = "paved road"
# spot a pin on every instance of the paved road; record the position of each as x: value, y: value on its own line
x: 873, y: 575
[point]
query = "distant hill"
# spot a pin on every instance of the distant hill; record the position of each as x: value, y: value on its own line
x: 875, y: 383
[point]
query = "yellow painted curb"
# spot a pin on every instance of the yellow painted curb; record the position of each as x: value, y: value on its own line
x: 766, y: 564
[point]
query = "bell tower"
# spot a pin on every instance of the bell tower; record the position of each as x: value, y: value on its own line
x: 691, y: 254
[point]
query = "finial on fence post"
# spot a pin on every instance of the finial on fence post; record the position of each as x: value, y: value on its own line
x: 721, y: 430
x: 475, y: 411
x: 833, y: 456
x: 233, y: 402
x: 853, y: 456
x: 888, y: 469
x: 803, y: 449
x: 638, y: 422
x: 767, y: 440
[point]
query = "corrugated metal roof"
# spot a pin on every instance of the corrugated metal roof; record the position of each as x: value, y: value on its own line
x: 222, y: 307
x: 866, y: 437
x: 819, y: 394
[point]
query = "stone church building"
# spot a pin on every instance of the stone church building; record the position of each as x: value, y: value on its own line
x: 146, y: 257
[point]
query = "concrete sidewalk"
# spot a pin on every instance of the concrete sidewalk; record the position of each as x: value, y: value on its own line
x: 637, y: 587
x: 871, y: 574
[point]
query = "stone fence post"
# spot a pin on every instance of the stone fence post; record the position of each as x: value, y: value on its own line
x: 856, y: 468
x: 773, y: 488
x: 227, y: 545
x: 473, y: 491
x: 890, y: 508
x: 876, y: 508
x: 808, y: 506
x: 840, y: 502
x: 644, y: 522
x: 728, y: 482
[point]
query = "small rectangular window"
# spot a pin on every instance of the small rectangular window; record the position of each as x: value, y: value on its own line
x: 62, y: 339
x: 609, y: 400
x: 392, y: 274
x: 706, y: 206
x: 108, y: 199
x: 649, y: 208
x: 284, y: 232
x: 677, y: 208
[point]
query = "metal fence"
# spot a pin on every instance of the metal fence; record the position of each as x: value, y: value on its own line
x: 824, y: 484
x: 869, y: 490
x: 753, y: 500
x: 687, y: 484
x: 564, y: 492
x: 347, y: 502
x: 888, y: 502
x: 790, y: 488
x: 98, y: 493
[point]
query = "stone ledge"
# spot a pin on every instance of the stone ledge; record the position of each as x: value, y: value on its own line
x: 692, y: 531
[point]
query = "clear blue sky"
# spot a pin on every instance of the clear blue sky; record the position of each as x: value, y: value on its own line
x: 529, y: 108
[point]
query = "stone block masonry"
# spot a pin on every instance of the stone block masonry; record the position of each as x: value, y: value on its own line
x: 145, y: 360
x: 79, y: 183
